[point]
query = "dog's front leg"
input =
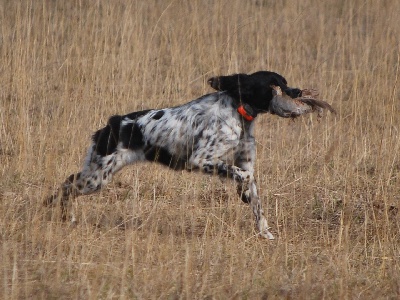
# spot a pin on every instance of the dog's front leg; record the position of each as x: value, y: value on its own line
x: 247, y: 188
x: 245, y: 179
x: 255, y: 203
x: 249, y: 193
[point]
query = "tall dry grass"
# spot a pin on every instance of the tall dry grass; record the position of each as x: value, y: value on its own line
x: 330, y: 189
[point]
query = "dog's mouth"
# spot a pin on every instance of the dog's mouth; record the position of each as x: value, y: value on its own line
x: 293, y: 92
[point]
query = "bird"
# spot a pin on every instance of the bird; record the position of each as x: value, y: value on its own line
x: 287, y: 107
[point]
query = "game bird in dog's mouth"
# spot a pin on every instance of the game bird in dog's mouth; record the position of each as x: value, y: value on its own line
x: 213, y: 134
x: 288, y: 107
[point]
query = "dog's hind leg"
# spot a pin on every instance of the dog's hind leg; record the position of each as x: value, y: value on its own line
x: 118, y: 144
x: 97, y: 171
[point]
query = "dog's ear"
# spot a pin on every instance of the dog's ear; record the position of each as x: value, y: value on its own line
x: 254, y: 89
x: 231, y: 83
x: 214, y: 83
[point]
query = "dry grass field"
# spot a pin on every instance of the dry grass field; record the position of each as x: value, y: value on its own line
x: 331, y: 189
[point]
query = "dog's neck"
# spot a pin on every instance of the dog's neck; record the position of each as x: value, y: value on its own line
x: 247, y: 112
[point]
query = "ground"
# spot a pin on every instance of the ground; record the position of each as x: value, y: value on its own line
x: 330, y: 187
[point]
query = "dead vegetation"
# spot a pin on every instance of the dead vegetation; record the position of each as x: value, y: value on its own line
x: 330, y: 189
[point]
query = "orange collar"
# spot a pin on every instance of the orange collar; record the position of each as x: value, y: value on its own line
x: 246, y: 112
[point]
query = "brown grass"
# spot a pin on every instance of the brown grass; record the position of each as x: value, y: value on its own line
x: 330, y: 189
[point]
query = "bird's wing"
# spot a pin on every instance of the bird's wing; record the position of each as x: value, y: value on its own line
x: 315, y: 104
x: 284, y: 106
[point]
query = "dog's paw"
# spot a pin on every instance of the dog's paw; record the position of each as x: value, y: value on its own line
x: 264, y: 229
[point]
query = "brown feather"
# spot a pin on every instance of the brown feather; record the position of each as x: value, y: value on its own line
x: 287, y: 107
x: 317, y: 103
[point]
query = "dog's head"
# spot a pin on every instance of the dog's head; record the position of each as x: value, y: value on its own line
x: 254, y: 89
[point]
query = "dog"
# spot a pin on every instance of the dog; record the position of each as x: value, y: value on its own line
x: 214, y: 134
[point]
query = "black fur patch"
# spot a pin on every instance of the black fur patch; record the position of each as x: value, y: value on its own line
x: 162, y: 155
x: 106, y: 139
x: 158, y: 115
x: 254, y: 89
x: 70, y: 179
x: 242, y: 195
x: 136, y: 114
x: 131, y: 136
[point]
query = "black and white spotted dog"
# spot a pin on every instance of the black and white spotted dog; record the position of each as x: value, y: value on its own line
x: 213, y: 133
